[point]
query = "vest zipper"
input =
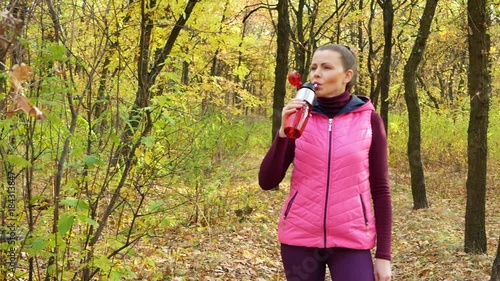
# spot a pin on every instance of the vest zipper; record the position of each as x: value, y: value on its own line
x: 330, y: 123
x: 289, y: 206
x: 364, y: 214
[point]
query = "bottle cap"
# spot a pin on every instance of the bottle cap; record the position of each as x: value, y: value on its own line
x: 306, y: 92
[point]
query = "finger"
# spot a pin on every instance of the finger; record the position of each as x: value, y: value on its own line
x: 296, y: 102
x: 288, y: 110
x: 292, y: 106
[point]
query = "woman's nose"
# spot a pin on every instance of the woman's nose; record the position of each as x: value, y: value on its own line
x: 315, y: 73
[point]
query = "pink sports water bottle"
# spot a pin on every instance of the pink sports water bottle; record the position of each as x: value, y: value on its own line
x: 296, y: 122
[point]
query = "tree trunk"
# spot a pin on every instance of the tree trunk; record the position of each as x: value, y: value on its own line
x: 479, y: 87
x: 495, y: 270
x: 147, y: 79
x: 281, y: 65
x: 52, y: 273
x: 300, y: 42
x: 372, y: 53
x: 385, y: 68
x: 360, y: 89
x: 411, y: 98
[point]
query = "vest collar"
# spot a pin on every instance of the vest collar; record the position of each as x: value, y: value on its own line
x: 354, y: 103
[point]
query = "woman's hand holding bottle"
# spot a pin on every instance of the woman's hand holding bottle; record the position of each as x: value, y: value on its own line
x: 293, y: 126
x: 290, y: 108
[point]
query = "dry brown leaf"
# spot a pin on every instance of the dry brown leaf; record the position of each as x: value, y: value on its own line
x: 4, y: 42
x: 12, y: 21
x: 20, y: 74
x: 37, y: 113
x: 10, y: 111
x: 9, y: 27
x: 3, y: 29
x: 22, y: 103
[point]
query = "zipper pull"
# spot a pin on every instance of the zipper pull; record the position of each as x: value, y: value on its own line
x: 367, y: 231
x: 330, y: 122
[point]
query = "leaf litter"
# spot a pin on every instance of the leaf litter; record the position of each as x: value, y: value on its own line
x: 427, y: 244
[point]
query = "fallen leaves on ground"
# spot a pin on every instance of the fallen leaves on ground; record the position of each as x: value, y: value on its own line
x: 427, y: 244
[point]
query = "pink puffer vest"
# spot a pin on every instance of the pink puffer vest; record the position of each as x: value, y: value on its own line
x: 329, y: 204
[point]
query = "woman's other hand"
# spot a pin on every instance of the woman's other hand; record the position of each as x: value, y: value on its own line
x: 382, y: 270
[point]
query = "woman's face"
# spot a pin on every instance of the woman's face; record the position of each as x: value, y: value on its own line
x: 328, y: 74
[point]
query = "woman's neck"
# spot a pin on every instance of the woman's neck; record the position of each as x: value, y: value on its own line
x: 332, y: 105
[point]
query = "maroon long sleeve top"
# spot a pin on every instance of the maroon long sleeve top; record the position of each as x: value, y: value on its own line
x: 281, y: 153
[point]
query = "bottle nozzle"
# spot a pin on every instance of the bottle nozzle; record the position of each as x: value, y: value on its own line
x: 307, y: 92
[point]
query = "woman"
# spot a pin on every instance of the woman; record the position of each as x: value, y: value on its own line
x: 339, y: 167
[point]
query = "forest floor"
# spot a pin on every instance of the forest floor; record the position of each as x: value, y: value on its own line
x: 427, y: 244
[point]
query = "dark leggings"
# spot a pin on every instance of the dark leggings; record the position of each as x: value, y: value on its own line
x: 309, y: 264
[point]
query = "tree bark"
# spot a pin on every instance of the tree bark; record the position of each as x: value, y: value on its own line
x: 372, y: 53
x: 411, y: 98
x: 385, y: 68
x: 281, y: 68
x: 360, y: 88
x: 300, y: 41
x: 495, y: 270
x: 479, y: 87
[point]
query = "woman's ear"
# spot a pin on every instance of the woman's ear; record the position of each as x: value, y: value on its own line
x: 348, y: 76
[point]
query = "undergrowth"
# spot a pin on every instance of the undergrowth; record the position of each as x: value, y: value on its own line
x: 427, y: 244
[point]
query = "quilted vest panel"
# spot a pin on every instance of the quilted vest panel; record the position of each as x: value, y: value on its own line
x: 329, y: 204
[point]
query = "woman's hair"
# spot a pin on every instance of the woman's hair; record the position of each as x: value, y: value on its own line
x: 348, y: 59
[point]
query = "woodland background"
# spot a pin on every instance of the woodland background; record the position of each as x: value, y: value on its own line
x: 132, y: 132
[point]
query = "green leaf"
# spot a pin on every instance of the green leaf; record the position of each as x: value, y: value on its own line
x: 55, y: 52
x: 92, y: 222
x: 5, y: 124
x: 115, y: 139
x: 39, y: 244
x: 168, y: 118
x: 35, y: 199
x: 18, y: 161
x: 93, y: 160
x: 103, y: 263
x: 51, y: 268
x: 156, y: 204
x: 115, y: 276
x: 74, y: 202
x: 148, y: 141
x: 65, y: 223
